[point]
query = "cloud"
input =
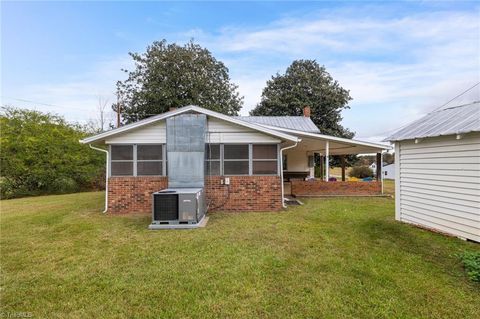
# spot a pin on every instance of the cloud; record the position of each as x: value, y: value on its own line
x: 76, y: 97
x: 397, y: 66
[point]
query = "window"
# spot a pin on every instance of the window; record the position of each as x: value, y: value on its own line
x: 285, y: 162
x: 212, y: 159
x: 122, y: 160
x: 136, y: 160
x: 149, y: 160
x: 236, y: 159
x: 264, y: 159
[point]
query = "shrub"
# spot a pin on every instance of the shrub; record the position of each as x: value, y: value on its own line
x: 40, y: 154
x: 361, y: 172
x: 471, y: 263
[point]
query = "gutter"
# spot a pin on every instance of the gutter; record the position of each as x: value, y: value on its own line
x: 106, y: 175
x: 281, y: 171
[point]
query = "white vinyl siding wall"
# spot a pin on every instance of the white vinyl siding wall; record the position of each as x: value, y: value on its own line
x: 218, y: 132
x: 438, y: 184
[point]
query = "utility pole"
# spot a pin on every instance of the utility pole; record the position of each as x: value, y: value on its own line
x: 119, y: 109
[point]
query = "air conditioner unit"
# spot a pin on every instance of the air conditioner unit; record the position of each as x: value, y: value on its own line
x: 177, y: 206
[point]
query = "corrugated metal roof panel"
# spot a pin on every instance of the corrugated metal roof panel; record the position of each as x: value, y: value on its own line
x: 299, y: 123
x: 453, y: 120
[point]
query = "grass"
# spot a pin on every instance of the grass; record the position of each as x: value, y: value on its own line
x: 331, y: 258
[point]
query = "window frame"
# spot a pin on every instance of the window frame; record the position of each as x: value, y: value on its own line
x: 162, y: 160
x: 265, y: 159
x: 135, y: 161
x: 248, y: 159
x: 222, y: 159
x: 111, y: 160
x: 219, y: 160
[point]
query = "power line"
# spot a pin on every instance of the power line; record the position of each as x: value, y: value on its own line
x: 438, y: 108
x: 63, y: 107
x: 41, y: 103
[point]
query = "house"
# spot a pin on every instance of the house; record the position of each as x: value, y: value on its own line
x: 389, y: 171
x: 437, y: 181
x: 245, y: 162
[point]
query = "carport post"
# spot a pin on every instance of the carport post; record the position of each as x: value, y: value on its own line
x: 381, y: 173
x: 342, y: 161
x: 327, y: 151
x: 379, y: 166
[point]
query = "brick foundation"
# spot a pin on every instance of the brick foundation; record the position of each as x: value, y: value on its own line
x: 319, y: 187
x: 245, y: 193
x: 133, y: 194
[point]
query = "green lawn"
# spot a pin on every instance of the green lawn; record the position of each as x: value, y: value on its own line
x: 331, y: 258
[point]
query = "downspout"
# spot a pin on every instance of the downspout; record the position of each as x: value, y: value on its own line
x: 106, y: 175
x: 281, y: 171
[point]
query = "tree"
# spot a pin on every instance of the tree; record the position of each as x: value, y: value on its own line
x: 306, y: 83
x: 388, y: 158
x: 40, y: 153
x: 170, y: 76
x: 103, y: 120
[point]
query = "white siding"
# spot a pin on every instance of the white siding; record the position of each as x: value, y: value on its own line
x: 219, y: 132
x: 153, y: 133
x: 389, y: 171
x: 438, y: 184
x: 297, y: 161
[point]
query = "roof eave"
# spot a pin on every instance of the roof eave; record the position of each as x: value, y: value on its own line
x: 334, y: 138
x: 184, y: 109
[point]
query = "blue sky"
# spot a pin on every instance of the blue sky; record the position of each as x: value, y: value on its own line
x: 398, y: 59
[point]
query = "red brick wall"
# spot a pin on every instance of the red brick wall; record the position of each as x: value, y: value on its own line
x: 133, y: 194
x: 319, y: 187
x: 245, y: 193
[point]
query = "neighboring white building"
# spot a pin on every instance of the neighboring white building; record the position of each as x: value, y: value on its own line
x: 437, y: 182
x: 389, y: 171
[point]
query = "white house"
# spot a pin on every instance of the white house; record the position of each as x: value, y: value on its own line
x: 437, y: 182
x: 389, y: 171
x: 242, y: 163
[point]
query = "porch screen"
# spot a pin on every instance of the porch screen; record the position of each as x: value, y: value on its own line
x: 149, y: 160
x: 136, y: 160
x: 122, y: 160
x: 212, y: 159
x: 235, y: 159
x: 264, y: 159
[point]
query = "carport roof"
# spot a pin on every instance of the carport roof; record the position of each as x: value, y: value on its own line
x: 337, y: 145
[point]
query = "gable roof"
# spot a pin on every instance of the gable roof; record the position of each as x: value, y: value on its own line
x: 299, y: 123
x: 186, y: 109
x: 453, y: 120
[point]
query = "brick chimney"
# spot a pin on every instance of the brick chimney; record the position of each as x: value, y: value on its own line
x: 306, y: 111
x: 172, y: 108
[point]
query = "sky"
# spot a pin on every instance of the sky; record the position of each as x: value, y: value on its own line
x: 400, y: 60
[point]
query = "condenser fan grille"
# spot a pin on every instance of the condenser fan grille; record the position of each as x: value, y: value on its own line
x: 165, y: 207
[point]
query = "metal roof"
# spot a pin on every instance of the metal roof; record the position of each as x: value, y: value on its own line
x: 453, y: 120
x: 299, y: 123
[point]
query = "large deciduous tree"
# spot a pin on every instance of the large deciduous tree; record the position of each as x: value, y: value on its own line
x: 306, y: 83
x: 170, y: 76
